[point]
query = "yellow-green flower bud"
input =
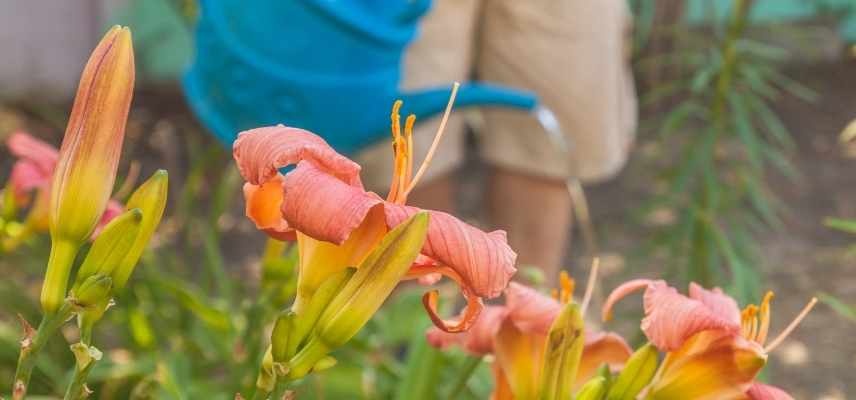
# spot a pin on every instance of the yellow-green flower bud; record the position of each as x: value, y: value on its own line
x: 594, y: 389
x: 150, y: 198
x: 364, y: 293
x: 562, y: 354
x: 309, y: 315
x: 93, y: 291
x: 637, y: 373
x: 111, y: 246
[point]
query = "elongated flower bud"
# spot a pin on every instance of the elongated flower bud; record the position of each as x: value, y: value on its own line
x: 111, y: 246
x: 93, y: 291
x: 636, y: 374
x: 562, y: 354
x: 364, y: 293
x: 150, y: 198
x: 594, y: 389
x: 89, y: 156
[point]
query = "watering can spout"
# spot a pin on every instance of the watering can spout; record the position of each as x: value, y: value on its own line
x: 429, y: 102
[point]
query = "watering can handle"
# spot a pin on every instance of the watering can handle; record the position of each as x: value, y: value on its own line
x: 431, y: 101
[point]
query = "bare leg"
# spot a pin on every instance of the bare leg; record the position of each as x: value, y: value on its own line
x: 436, y: 194
x: 536, y: 213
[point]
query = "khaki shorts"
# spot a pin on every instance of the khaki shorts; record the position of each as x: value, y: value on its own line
x: 572, y: 53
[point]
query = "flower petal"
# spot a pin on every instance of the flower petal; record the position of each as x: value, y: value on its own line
x: 712, y: 365
x: 718, y: 302
x: 520, y: 355
x: 26, y: 147
x: 530, y: 310
x: 484, y: 261
x: 621, y: 292
x: 601, y: 348
x: 759, y: 391
x: 26, y: 176
x: 479, y: 339
x: 322, y: 206
x: 261, y: 152
x: 671, y: 318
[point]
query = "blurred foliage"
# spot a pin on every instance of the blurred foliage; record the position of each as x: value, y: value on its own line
x: 719, y: 140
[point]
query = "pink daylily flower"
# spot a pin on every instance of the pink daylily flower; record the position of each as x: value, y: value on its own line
x: 323, y: 205
x: 714, y: 350
x: 516, y: 333
x: 34, y: 170
x: 35, y: 165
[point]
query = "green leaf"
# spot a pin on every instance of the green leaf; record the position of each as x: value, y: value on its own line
x: 843, y: 225
x: 845, y: 310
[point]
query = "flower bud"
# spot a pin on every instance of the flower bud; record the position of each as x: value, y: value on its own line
x: 111, y: 246
x: 364, y: 293
x: 636, y: 374
x: 594, y: 389
x: 93, y: 291
x: 309, y: 315
x: 562, y: 354
x: 150, y: 198
x: 89, y: 156
x: 86, y: 170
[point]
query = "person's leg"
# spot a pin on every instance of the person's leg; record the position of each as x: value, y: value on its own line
x: 536, y: 213
x: 572, y: 55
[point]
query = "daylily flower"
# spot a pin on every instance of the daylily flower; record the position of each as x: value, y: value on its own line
x: 322, y: 204
x: 34, y: 167
x: 516, y: 334
x: 715, y: 351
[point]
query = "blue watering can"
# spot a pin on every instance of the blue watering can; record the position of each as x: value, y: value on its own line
x: 329, y: 66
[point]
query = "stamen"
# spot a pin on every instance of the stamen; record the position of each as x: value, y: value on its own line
x: 595, y: 265
x: 764, y: 317
x: 408, y: 134
x: 793, y: 325
x: 746, y: 318
x: 554, y: 294
x: 567, y: 287
x: 436, y: 142
x: 395, y: 186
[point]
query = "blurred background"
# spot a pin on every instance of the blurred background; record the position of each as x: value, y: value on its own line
x: 739, y: 176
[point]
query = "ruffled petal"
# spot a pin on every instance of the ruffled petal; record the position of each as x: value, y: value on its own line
x: 479, y: 339
x: 26, y: 147
x: 263, y: 203
x: 671, y: 318
x: 759, y: 391
x: 601, y: 348
x: 322, y: 206
x: 484, y: 261
x: 717, y: 301
x: 530, y: 310
x: 261, y: 152
x: 711, y: 365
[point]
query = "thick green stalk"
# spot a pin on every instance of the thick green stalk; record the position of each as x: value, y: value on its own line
x: 77, y: 389
x: 33, y: 344
x: 700, y: 259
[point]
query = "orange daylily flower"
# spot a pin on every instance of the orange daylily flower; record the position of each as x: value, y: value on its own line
x: 322, y: 204
x: 516, y: 334
x: 714, y: 351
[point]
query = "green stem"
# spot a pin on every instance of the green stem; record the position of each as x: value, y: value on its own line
x: 464, y: 375
x: 31, y: 347
x: 77, y: 388
x: 701, y: 257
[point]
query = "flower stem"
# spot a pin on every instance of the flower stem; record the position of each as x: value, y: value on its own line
x: 77, y: 389
x: 33, y: 344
